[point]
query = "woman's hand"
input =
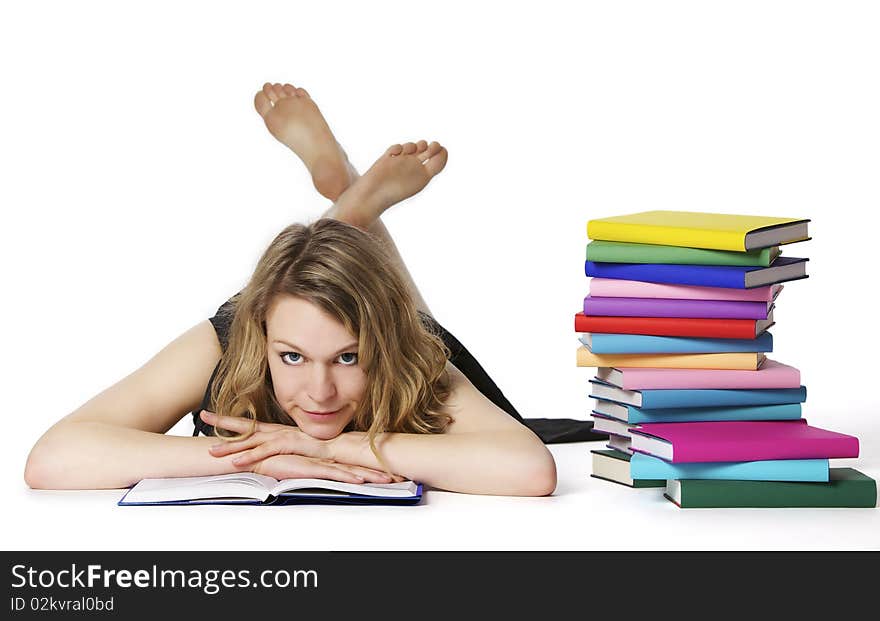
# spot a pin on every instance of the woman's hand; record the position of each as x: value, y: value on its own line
x: 268, y: 439
x: 299, y: 467
x: 271, y: 441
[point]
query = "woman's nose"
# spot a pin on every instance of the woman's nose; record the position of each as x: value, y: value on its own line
x: 321, y: 386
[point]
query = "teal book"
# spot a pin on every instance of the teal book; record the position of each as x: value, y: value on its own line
x: 645, y: 344
x: 636, y: 416
x: 625, y: 252
x: 647, y: 467
x: 846, y: 487
x: 613, y: 465
x: 693, y: 398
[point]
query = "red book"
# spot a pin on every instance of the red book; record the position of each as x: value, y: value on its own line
x: 674, y: 326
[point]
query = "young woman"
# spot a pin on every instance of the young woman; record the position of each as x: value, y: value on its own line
x: 328, y: 364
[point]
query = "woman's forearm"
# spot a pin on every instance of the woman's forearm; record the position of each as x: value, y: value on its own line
x: 510, y: 463
x: 93, y: 455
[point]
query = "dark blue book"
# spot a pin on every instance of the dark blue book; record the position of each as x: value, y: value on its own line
x: 782, y: 269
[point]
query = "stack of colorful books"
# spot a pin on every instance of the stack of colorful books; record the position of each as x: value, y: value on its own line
x: 677, y: 321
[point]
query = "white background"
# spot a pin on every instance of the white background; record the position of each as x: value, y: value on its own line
x: 139, y: 188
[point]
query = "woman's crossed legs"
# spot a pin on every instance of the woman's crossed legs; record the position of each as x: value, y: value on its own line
x: 292, y: 117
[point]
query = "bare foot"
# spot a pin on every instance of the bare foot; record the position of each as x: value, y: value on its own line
x: 403, y: 170
x: 294, y: 119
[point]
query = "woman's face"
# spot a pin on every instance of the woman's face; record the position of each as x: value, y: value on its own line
x: 314, y: 365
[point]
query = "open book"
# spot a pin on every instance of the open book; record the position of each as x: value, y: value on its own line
x: 252, y: 488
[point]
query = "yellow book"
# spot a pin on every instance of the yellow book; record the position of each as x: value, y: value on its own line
x: 691, y: 229
x: 748, y: 361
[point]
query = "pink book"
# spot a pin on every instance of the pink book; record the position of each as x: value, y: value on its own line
x: 614, y: 288
x: 772, y: 374
x: 729, y: 441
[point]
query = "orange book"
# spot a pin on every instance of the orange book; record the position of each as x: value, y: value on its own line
x: 746, y: 361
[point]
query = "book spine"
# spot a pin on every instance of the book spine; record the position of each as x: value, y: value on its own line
x: 644, y: 344
x: 816, y: 470
x: 777, y: 494
x: 662, y: 399
x: 665, y: 235
x: 788, y: 411
x: 739, y: 361
x: 610, y: 287
x: 759, y: 449
x: 771, y: 375
x: 656, y: 307
x: 667, y: 326
x: 623, y: 252
x: 694, y: 275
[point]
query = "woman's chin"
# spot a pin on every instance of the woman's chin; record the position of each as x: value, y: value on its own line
x: 321, y: 425
x: 319, y: 431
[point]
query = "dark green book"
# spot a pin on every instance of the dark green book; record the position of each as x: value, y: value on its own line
x: 625, y: 252
x: 846, y: 488
x: 613, y: 465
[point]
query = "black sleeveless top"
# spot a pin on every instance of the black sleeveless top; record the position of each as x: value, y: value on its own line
x: 550, y: 430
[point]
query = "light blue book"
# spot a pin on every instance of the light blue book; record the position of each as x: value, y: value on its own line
x: 637, y: 416
x: 696, y: 398
x: 642, y: 344
x: 646, y: 467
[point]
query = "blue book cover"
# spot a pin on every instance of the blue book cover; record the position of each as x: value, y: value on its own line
x: 693, y: 398
x: 815, y: 470
x: 637, y: 416
x: 643, y: 344
x: 729, y: 276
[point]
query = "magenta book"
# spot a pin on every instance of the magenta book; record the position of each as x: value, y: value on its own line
x: 729, y: 441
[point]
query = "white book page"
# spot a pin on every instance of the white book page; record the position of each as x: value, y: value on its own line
x: 776, y: 235
x: 653, y: 446
x: 234, y: 485
x: 603, y: 391
x: 404, y: 489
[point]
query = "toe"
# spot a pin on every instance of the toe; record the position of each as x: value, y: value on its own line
x: 262, y: 103
x: 436, y: 163
x: 394, y: 149
x: 409, y: 148
x: 289, y: 90
x: 279, y: 91
x: 432, y: 150
x: 421, y: 146
x: 270, y: 92
x: 302, y: 92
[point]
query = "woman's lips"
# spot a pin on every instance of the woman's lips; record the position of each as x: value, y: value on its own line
x: 321, y: 415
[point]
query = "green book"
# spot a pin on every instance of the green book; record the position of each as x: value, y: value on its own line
x: 846, y: 488
x: 613, y: 465
x: 625, y: 252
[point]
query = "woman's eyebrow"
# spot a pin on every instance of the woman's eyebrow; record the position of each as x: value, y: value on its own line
x: 301, y: 350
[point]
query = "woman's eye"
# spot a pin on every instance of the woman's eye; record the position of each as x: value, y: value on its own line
x: 348, y: 358
x: 295, y: 358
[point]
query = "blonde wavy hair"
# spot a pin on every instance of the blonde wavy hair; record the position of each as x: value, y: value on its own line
x: 347, y: 273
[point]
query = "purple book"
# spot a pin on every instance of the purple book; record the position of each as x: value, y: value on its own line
x: 660, y: 307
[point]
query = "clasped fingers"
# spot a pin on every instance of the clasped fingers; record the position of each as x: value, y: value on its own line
x: 227, y: 448
x: 277, y: 440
